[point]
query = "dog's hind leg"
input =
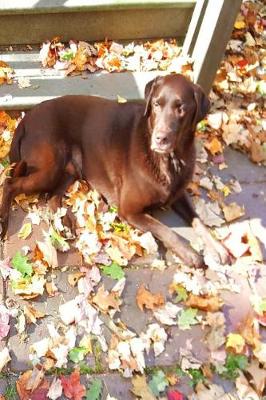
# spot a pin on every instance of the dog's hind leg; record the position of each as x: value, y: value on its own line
x: 55, y: 200
x: 37, y: 182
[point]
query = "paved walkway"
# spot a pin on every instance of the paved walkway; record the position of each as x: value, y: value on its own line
x: 253, y: 196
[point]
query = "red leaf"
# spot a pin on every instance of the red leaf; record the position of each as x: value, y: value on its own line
x: 72, y: 386
x: 41, y: 392
x: 175, y: 395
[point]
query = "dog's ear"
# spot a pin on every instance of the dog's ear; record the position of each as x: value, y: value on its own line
x: 149, y: 90
x: 202, y: 105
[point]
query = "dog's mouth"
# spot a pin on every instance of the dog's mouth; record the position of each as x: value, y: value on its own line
x: 162, y: 148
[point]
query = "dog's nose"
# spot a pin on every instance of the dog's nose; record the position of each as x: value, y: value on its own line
x: 161, y: 139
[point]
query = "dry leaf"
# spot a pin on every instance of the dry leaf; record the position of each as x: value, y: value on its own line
x: 72, y: 386
x: 32, y: 314
x: 235, y: 342
x: 149, y: 300
x: 233, y: 211
x: 214, y: 146
x: 244, y: 390
x: 206, y: 303
x: 73, y: 278
x: 105, y: 300
x: 258, y: 376
x: 141, y: 388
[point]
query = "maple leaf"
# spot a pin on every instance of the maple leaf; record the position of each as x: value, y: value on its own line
x: 55, y: 390
x: 114, y: 271
x: 72, y: 387
x: 175, y: 395
x: 207, y: 303
x: 141, y: 389
x: 32, y: 386
x: 187, y: 318
x: 105, y: 300
x: 95, y: 390
x: 77, y: 354
x: 158, y: 383
x: 21, y: 264
x: 235, y: 342
x: 146, y: 299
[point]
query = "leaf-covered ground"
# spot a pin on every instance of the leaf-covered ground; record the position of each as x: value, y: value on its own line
x: 107, y: 246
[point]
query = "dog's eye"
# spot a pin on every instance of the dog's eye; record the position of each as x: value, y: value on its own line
x: 156, y: 104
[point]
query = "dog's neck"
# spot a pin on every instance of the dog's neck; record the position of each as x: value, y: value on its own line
x: 164, y: 167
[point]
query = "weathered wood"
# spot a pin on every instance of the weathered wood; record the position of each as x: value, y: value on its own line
x: 215, y: 31
x: 194, y: 26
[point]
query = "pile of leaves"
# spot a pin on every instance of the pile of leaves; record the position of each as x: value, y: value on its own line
x: 238, y: 116
x: 110, y: 56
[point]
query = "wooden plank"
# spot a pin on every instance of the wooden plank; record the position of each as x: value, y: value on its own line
x: 214, y: 33
x: 194, y: 27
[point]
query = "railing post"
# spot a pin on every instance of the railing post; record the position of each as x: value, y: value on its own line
x: 212, y: 24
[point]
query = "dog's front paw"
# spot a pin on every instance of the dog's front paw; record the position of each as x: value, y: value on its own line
x: 217, y: 252
x: 193, y: 259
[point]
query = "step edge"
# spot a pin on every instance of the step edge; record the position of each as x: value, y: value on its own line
x: 103, y: 5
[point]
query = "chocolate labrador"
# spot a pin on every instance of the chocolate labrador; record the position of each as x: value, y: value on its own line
x: 138, y: 156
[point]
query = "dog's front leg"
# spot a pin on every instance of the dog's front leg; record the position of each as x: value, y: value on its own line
x: 169, y: 238
x: 184, y: 208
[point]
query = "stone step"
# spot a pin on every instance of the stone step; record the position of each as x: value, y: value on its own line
x: 32, y: 21
x: 49, y: 83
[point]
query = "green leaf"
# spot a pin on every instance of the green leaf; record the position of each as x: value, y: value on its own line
x: 114, y: 271
x: 57, y: 240
x: 25, y: 231
x: 120, y: 227
x: 22, y: 264
x: 196, y: 376
x: 95, y: 390
x: 158, y: 383
x: 234, y: 363
x: 67, y: 56
x: 77, y: 354
x: 181, y: 294
x: 187, y: 318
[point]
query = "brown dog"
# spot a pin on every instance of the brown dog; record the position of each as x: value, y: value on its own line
x: 138, y: 156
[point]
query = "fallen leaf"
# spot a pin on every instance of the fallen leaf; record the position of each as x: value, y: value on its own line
x: 187, y: 318
x: 167, y: 314
x: 25, y: 231
x: 55, y: 390
x: 72, y: 387
x: 214, y: 146
x: 149, y: 300
x: 114, y: 271
x: 141, y: 389
x: 32, y: 314
x: 158, y: 383
x: 95, y: 390
x: 105, y: 300
x: 244, y: 390
x: 22, y: 264
x: 4, y: 358
x: 175, y: 395
x: 257, y: 376
x: 205, y: 303
x: 235, y: 342
x: 121, y: 100
x: 74, y: 278
x: 233, y: 211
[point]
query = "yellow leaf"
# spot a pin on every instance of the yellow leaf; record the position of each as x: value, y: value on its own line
x: 233, y: 211
x: 141, y: 388
x: 240, y: 24
x: 235, y: 342
x: 214, y: 146
x: 226, y: 190
x: 25, y: 231
x: 121, y: 99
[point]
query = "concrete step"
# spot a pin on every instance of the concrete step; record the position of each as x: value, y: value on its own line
x: 49, y: 83
x: 34, y: 21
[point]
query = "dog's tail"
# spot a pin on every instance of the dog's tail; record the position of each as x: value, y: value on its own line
x: 15, y: 153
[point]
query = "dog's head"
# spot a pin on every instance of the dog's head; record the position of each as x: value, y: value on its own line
x: 174, y: 106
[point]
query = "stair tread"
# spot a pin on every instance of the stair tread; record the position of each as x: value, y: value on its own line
x: 50, y: 83
x: 34, y: 6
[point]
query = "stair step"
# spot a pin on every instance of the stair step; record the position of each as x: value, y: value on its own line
x: 32, y: 21
x: 49, y: 83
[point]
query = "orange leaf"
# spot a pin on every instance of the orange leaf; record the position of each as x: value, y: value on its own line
x: 207, y: 303
x: 32, y: 380
x: 214, y: 146
x: 72, y: 386
x: 147, y: 299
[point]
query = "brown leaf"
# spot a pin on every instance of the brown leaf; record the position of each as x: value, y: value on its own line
x: 233, y: 211
x: 51, y: 288
x: 105, y: 300
x: 74, y: 278
x: 32, y: 314
x: 146, y: 299
x: 141, y: 389
x: 258, y: 376
x: 205, y: 303
x: 32, y: 386
x: 214, y: 146
x: 72, y: 386
x: 249, y: 329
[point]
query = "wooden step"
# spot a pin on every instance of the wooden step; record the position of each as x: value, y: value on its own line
x: 34, y: 21
x: 49, y: 83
